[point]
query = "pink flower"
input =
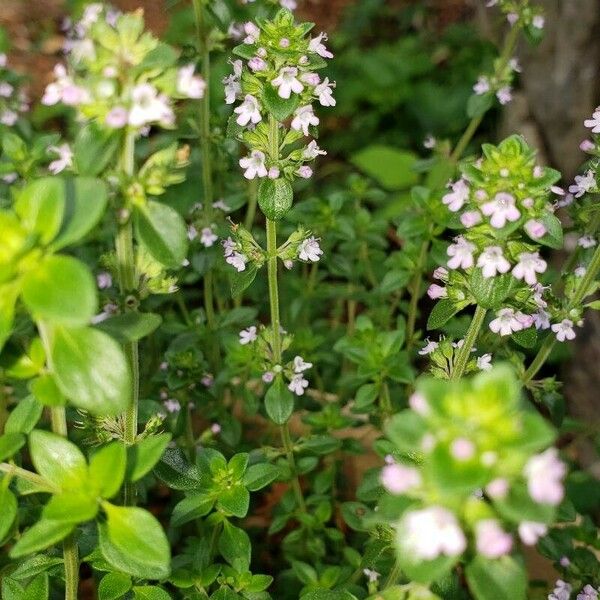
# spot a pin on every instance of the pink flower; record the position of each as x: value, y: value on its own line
x: 482, y: 86
x: 316, y: 45
x: 492, y: 261
x: 587, y: 146
x: 491, y: 540
x: 287, y: 82
x: 249, y: 335
x: 506, y: 322
x: 436, y: 291
x: 458, y: 196
x: 470, y: 218
x: 544, y: 473
x: 564, y: 330
x: 431, y: 532
x: 462, y: 449
x: 398, y: 479
x: 418, y: 402
x: 594, y: 122
x: 461, y: 253
x: 504, y: 95
x: 535, y: 230
x: 117, y: 117
x: 497, y: 488
x: 530, y: 532
x: 429, y: 347
x: 501, y: 209
x: 529, y: 264
x: 583, y: 184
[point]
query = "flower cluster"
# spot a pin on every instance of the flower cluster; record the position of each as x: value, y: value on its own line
x: 442, y: 355
x: 278, y: 79
x: 500, y: 83
x: 521, y: 12
x: 120, y: 75
x: 502, y: 202
x: 293, y: 371
x: 13, y: 99
x: 483, y: 476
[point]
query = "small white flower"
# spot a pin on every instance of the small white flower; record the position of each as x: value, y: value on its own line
x: 149, y: 107
x: 482, y: 86
x: 268, y: 376
x: 530, y: 532
x: 562, y: 591
x: 64, y: 160
x: 304, y: 171
x: 208, y: 237
x: 535, y: 230
x: 189, y: 84
x: 254, y: 165
x: 309, y: 250
x: 252, y: 33
x: 324, y: 92
x: 304, y: 117
x: 431, y: 532
x: 371, y: 575
x: 529, y: 264
x: 588, y: 593
x: 594, y: 122
x: 287, y: 82
x: 233, y: 87
x: 491, y: 540
x: 583, y: 184
x: 8, y: 117
x: 398, y: 479
x: 458, y: 196
x: 312, y: 151
x: 237, y: 260
x: 298, y: 384
x: 117, y: 117
x: 501, y: 209
x: 103, y: 280
x: 248, y: 111
x: 429, y: 347
x: 492, y: 261
x: 538, y: 21
x: 504, y: 95
x: 461, y: 253
x: 587, y: 241
x: 564, y: 330
x: 544, y: 473
x: 515, y: 65
x: 172, y: 405
x: 192, y: 233
x: 506, y: 322
x: 429, y: 142
x: 435, y: 291
x: 6, y: 90
x: 580, y: 271
x: 228, y: 247
x: 289, y: 4
x: 249, y: 335
x: 470, y: 218
x: 484, y: 362
x: 300, y: 365
x: 316, y: 45
x: 541, y: 319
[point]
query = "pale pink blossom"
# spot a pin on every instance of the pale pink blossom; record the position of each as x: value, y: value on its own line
x: 562, y: 591
x: 298, y: 384
x: 238, y: 261
x: 470, y: 218
x: 504, y: 95
x: 418, y: 402
x: 429, y: 347
x: 492, y: 261
x: 249, y: 335
x: 462, y: 449
x: 287, y: 82
x: 564, y: 330
x: 501, y: 209
x: 300, y: 365
x: 497, y: 488
x: 208, y: 237
x: 248, y: 111
x: 530, y: 532
x: 309, y: 250
x: 316, y: 45
x: 482, y: 86
x: 254, y: 165
x: 528, y: 266
x: 458, y: 196
x: 544, y: 473
x: 506, y: 322
x: 324, y: 91
x: 583, y: 184
x: 189, y: 84
x: 535, y: 230
x: 399, y: 479
x: 491, y: 540
x: 304, y: 117
x: 484, y: 362
x: 461, y: 253
x: 594, y: 122
x: 437, y: 291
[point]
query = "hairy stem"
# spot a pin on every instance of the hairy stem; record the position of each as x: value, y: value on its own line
x: 12, y: 470
x: 464, y: 352
x: 415, y: 294
x: 128, y: 282
x: 580, y: 293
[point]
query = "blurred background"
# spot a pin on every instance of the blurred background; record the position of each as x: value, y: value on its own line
x: 404, y: 70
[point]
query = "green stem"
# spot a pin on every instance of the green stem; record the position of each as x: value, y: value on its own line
x: 393, y: 577
x: 385, y: 402
x: 289, y: 452
x: 128, y: 283
x: 37, y: 480
x: 252, y: 200
x: 58, y: 417
x: 464, y: 352
x: 580, y: 293
x: 415, y: 294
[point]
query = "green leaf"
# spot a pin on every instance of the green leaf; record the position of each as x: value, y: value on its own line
x: 8, y: 298
x: 163, y: 233
x: 41, y: 536
x: 11, y: 589
x: 113, y: 586
x: 442, y: 312
x: 150, y: 592
x: 85, y: 203
x: 34, y: 566
x: 8, y: 502
x: 260, y: 475
x: 478, y: 105
x: 235, y: 547
x: 24, y: 416
x: 279, y: 402
x: 91, y: 370
x: 144, y: 455
x: 490, y: 292
x: 275, y: 197
x: 390, y: 167
x: 93, y: 150
x: 40, y: 204
x: 554, y: 231
x: 61, y: 290
x: 70, y: 507
x: 192, y: 507
x: 526, y: 338
x: 46, y: 391
x: 107, y: 469
x: 241, y: 281
x: 133, y: 541
x: 176, y: 471
x: 131, y: 326
x: 10, y: 444
x: 500, y: 579
x: 57, y: 459
x: 279, y: 107
x: 38, y: 588
x: 234, y: 500
x: 366, y: 396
